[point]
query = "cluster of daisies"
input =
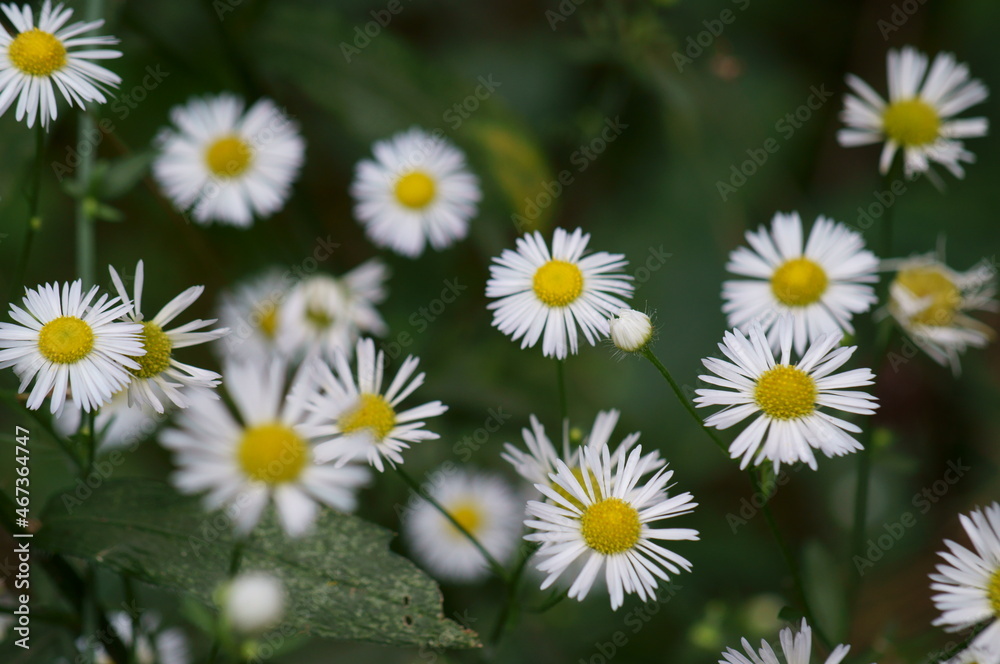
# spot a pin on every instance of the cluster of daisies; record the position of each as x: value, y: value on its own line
x: 311, y: 412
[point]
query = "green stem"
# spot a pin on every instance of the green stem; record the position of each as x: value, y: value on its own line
x: 647, y: 352
x: 510, y: 602
x: 561, y: 382
x: 793, y: 567
x: 235, y: 562
x: 878, y: 341
x: 497, y: 568
x: 86, y: 231
x: 34, y: 222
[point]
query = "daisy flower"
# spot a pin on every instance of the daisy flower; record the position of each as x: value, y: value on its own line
x: 328, y: 313
x: 252, y: 313
x: 822, y: 284
x: 969, y: 584
x: 919, y: 117
x: 261, y: 453
x: 485, y: 506
x: 160, y: 374
x: 356, y: 420
x: 555, y: 292
x: 227, y: 165
x: 66, y: 339
x: 539, y: 462
x: 787, y: 396
x: 153, y: 645
x: 604, y: 522
x: 929, y: 300
x: 631, y: 330
x: 417, y: 190
x: 38, y: 59
x: 797, y: 649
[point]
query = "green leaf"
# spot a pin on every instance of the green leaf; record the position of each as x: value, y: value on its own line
x: 342, y: 580
x: 825, y: 587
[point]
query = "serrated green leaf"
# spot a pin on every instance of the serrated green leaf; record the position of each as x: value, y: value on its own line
x: 342, y: 580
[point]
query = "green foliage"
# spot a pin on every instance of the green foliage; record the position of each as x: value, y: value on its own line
x: 342, y: 581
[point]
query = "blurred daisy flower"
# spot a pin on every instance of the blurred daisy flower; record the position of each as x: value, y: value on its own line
x: 600, y: 514
x: 226, y: 165
x: 919, y: 116
x: 328, y: 314
x: 821, y: 283
x: 538, y: 464
x: 788, y: 397
x: 38, y: 59
x: 969, y: 584
x: 64, y: 339
x: 554, y: 292
x: 160, y: 374
x: 117, y: 425
x: 929, y: 300
x: 252, y: 313
x: 261, y: 453
x: 484, y: 505
x: 418, y: 190
x: 797, y: 649
x: 356, y: 420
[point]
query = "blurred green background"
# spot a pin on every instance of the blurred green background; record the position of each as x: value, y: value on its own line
x: 563, y: 70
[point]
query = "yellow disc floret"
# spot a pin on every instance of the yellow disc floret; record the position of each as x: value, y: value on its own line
x: 373, y: 413
x: 993, y: 592
x: 785, y: 393
x: 468, y: 516
x: 37, y: 53
x: 65, y: 340
x: 944, y: 297
x: 318, y: 317
x: 610, y: 526
x: 558, y: 283
x: 272, y: 453
x: 158, y: 347
x: 268, y: 319
x: 911, y: 122
x: 799, y: 282
x: 228, y: 157
x: 415, y: 190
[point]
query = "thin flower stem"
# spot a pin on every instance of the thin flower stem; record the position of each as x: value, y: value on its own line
x: 793, y: 567
x: 647, y: 352
x: 497, y: 568
x: 34, y: 222
x: 507, y: 610
x: 235, y: 562
x: 561, y: 381
x: 879, y: 344
x: 86, y: 231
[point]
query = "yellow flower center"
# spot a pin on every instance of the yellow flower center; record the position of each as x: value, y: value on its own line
x: 799, y: 282
x: 578, y: 474
x: 228, y: 157
x: 158, y: 347
x: 911, y: 122
x: 993, y: 592
x: 37, y: 53
x: 318, y: 317
x: 65, y: 340
x: 373, y: 413
x: 928, y: 282
x: 268, y: 320
x: 272, y: 453
x: 558, y: 283
x: 610, y: 526
x: 785, y: 393
x: 468, y: 516
x: 415, y: 189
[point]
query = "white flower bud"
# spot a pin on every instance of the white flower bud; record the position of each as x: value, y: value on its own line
x: 254, y: 602
x: 631, y: 330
